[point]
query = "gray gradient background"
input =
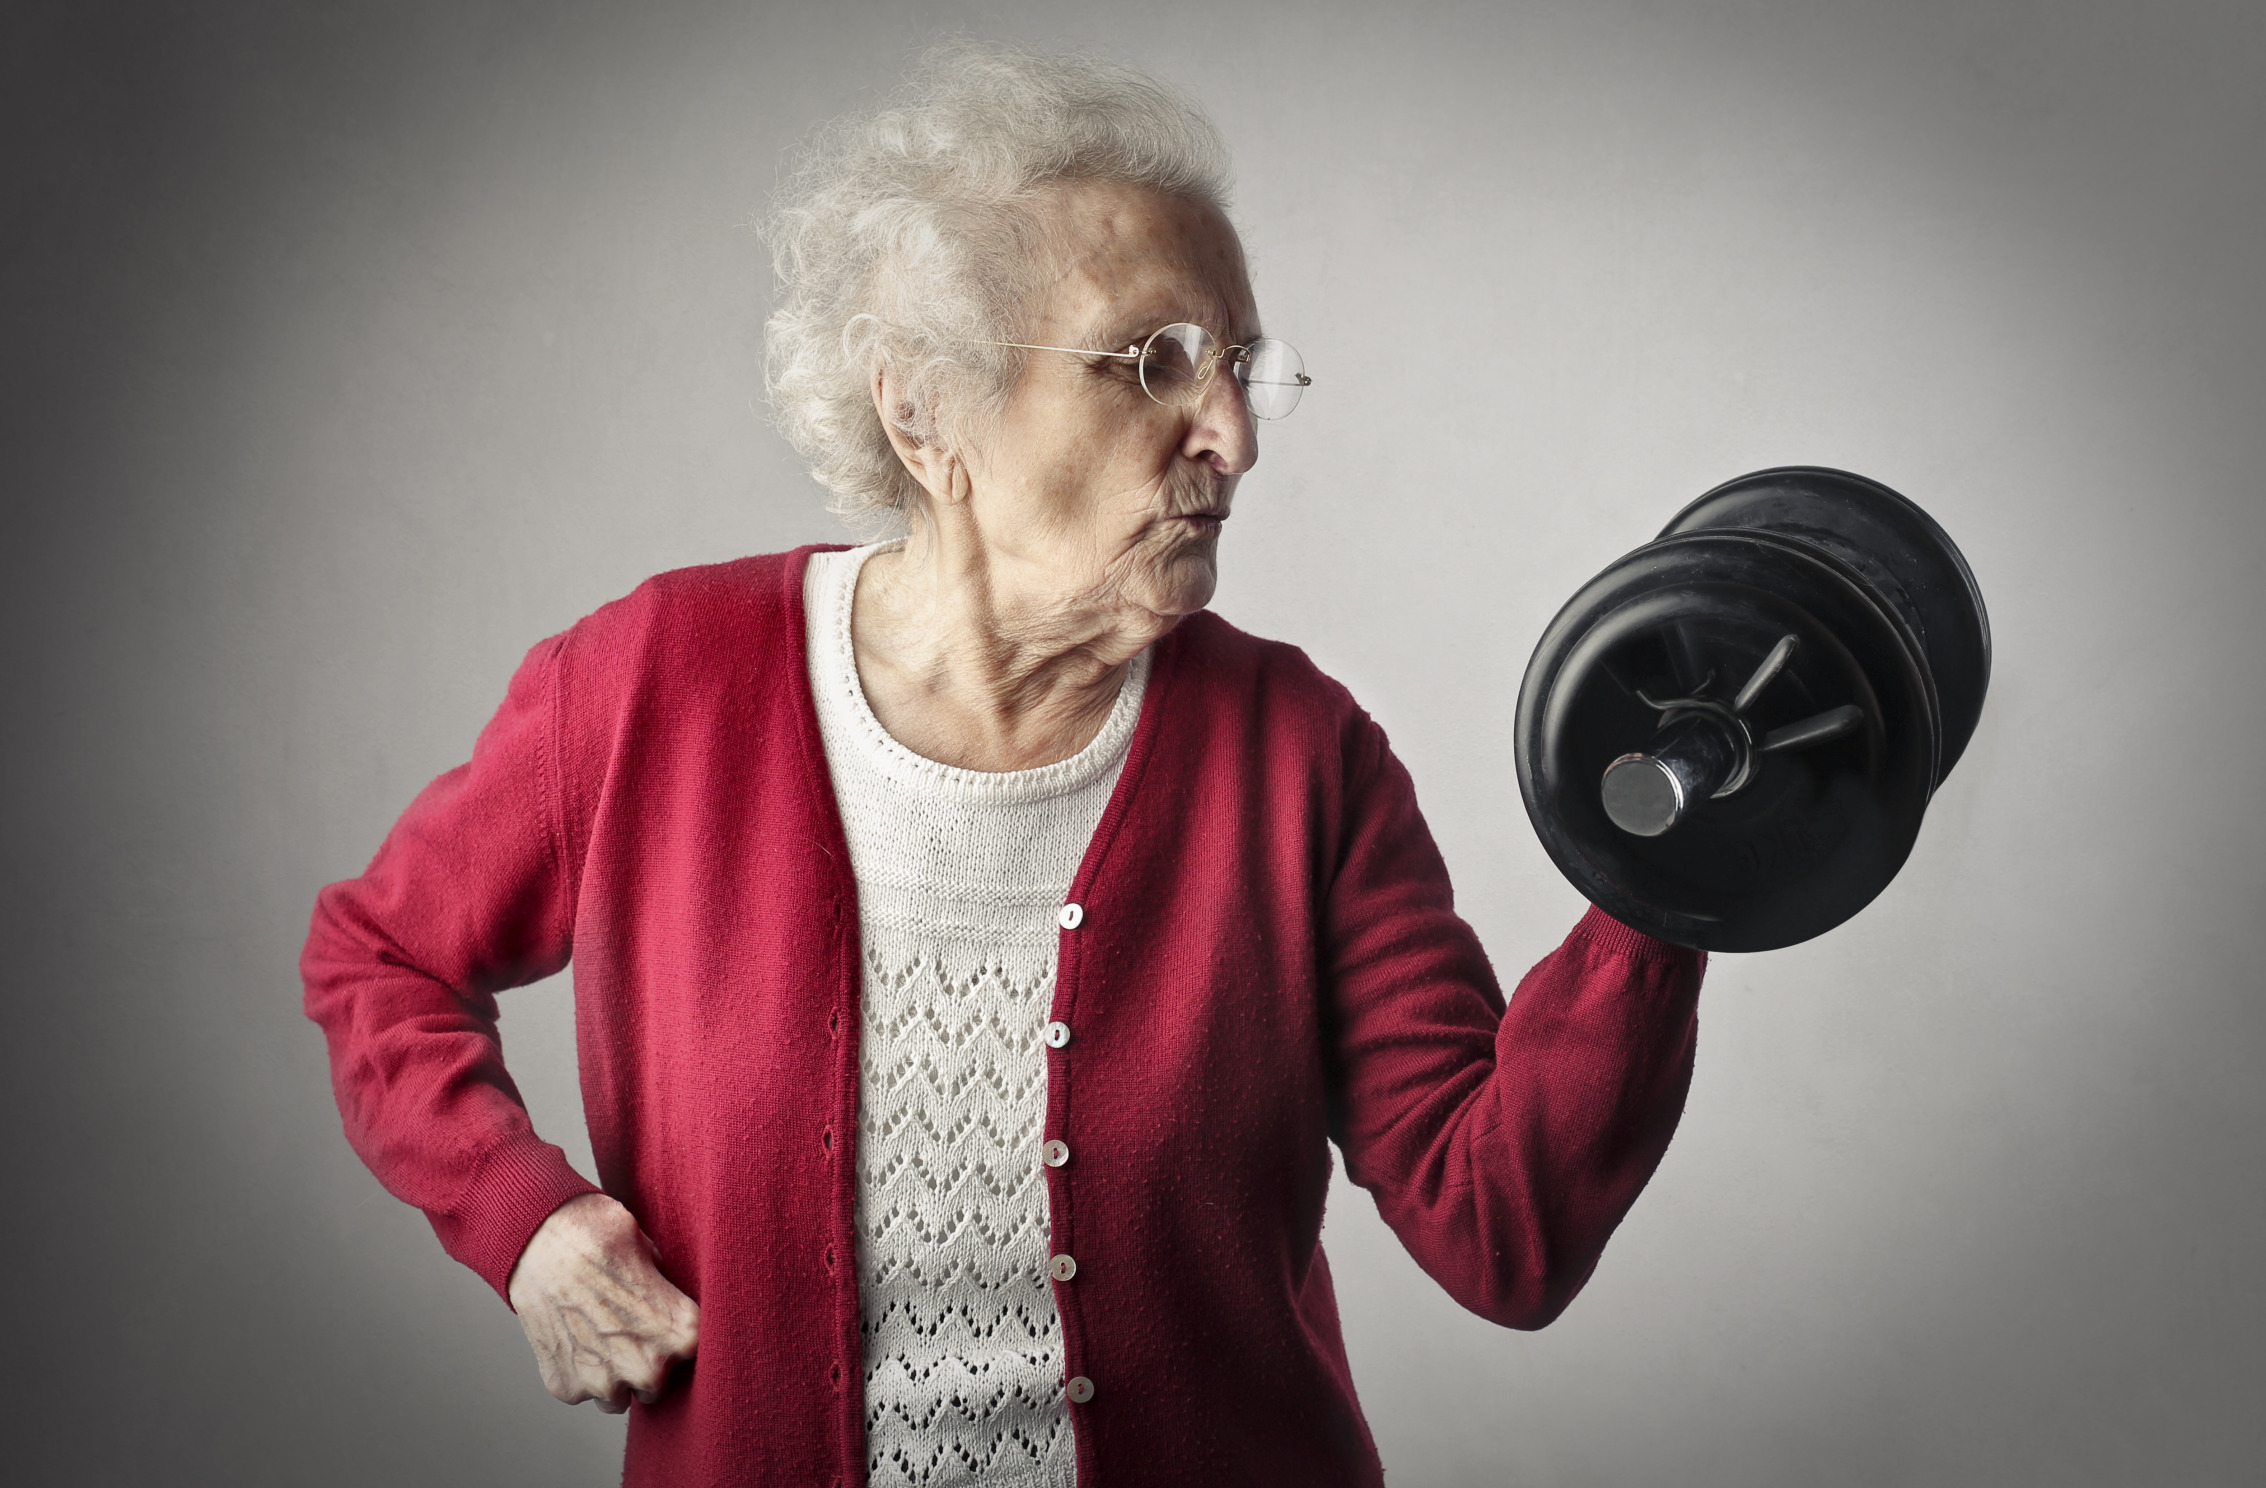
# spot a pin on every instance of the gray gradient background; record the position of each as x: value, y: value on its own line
x: 349, y: 349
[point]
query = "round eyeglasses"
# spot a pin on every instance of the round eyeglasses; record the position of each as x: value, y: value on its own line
x: 1176, y: 364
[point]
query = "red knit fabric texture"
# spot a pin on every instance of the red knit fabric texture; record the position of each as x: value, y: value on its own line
x: 1269, y: 961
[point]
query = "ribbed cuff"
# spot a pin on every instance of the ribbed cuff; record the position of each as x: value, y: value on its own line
x: 1608, y: 936
x: 505, y: 1203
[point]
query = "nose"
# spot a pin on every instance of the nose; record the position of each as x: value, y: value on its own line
x: 1221, y: 430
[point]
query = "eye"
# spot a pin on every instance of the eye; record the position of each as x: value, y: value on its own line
x: 1122, y: 368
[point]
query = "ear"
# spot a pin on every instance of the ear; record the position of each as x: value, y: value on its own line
x: 938, y: 470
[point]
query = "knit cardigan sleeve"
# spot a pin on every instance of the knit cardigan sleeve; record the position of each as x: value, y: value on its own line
x: 468, y: 895
x: 1502, y: 1146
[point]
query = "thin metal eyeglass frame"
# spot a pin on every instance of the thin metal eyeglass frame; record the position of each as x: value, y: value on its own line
x: 1203, y: 377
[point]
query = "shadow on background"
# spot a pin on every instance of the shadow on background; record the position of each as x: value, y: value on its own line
x: 352, y: 349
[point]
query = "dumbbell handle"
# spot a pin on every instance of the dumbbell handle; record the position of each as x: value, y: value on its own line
x: 1696, y: 756
x: 1647, y: 793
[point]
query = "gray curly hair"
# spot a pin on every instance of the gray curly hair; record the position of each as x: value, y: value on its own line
x: 908, y: 237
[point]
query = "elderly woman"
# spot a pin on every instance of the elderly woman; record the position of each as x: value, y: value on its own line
x: 977, y: 944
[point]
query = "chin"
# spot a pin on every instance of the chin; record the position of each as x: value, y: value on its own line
x: 1185, y: 584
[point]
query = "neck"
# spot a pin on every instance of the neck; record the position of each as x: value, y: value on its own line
x: 976, y: 657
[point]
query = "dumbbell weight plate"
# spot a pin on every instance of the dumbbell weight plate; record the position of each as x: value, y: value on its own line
x: 1901, y: 552
x: 1815, y: 833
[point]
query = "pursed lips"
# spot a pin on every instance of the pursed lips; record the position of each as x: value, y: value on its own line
x: 1205, y: 509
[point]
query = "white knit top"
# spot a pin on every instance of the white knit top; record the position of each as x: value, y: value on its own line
x: 960, y: 875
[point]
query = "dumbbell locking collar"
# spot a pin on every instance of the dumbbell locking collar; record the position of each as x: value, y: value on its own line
x: 1706, y: 750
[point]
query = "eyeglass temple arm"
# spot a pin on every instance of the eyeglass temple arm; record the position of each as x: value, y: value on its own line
x: 1073, y: 350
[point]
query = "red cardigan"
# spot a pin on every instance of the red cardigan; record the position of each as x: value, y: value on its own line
x: 1268, y: 961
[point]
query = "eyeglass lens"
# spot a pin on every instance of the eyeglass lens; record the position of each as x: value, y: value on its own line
x: 1178, y: 361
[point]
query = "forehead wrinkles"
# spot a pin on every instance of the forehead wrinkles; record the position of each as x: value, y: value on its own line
x: 1128, y: 260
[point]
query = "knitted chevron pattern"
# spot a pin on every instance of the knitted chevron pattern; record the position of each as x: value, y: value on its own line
x: 960, y: 875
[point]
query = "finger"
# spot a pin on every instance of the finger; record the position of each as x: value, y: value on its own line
x: 614, y: 1404
x: 665, y: 1371
x: 647, y: 1374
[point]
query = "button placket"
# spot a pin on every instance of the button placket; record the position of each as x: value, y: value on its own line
x: 1062, y: 1267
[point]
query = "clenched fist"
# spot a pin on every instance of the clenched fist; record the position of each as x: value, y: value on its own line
x: 604, y: 1322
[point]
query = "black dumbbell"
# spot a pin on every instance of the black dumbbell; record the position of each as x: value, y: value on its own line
x: 1729, y: 737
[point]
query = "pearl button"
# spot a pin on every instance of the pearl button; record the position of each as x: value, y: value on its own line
x: 1062, y: 1268
x: 1057, y: 1035
x: 1081, y: 1390
x: 1056, y: 1153
x: 1072, y: 916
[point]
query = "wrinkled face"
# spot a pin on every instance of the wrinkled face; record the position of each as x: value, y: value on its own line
x: 1084, y: 483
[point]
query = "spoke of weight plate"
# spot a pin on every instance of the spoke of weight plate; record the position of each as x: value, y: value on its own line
x: 1815, y: 729
x: 1772, y: 664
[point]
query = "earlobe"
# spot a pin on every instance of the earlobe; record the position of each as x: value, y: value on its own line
x: 957, y: 486
x: 929, y: 460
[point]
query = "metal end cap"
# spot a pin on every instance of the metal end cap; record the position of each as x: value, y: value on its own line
x: 1642, y: 796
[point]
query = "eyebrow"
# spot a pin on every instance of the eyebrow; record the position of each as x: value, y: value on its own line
x: 1130, y: 334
